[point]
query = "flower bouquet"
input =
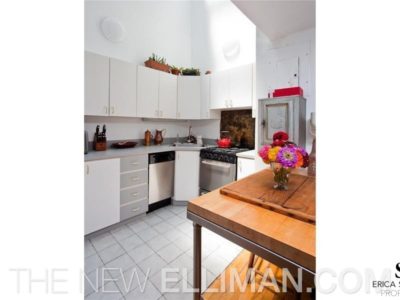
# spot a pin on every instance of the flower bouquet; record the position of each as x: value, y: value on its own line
x: 283, y: 156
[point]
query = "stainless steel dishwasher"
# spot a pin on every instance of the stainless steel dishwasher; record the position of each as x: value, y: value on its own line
x: 161, y: 179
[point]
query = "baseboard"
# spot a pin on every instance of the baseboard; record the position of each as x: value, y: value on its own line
x: 159, y: 204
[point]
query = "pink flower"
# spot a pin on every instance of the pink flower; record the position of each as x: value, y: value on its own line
x: 263, y: 152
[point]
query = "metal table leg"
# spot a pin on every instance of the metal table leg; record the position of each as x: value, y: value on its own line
x: 271, y: 256
x: 197, y: 261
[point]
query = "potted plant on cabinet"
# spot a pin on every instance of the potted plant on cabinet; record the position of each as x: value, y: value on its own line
x: 175, y: 70
x: 191, y: 72
x: 158, y: 63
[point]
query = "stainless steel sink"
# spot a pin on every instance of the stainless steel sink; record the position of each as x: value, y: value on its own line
x: 185, y: 145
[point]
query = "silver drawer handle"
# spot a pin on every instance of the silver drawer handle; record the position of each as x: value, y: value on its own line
x: 223, y: 166
x: 134, y: 163
x: 134, y: 194
x: 135, y: 178
x: 135, y: 209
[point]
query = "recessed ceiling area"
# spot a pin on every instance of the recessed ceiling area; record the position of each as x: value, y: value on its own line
x: 279, y: 18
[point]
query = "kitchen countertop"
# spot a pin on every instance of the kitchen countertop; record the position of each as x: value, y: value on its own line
x: 247, y: 154
x: 290, y: 237
x: 117, y: 153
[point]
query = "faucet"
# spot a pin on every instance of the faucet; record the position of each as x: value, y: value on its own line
x: 190, y: 139
x: 190, y: 130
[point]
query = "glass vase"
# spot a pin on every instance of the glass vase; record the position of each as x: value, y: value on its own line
x: 281, y: 176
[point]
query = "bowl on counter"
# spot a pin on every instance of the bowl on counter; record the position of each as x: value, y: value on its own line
x: 123, y: 145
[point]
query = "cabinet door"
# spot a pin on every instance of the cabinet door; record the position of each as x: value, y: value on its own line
x: 122, y: 88
x: 167, y: 96
x: 245, y: 167
x: 205, y: 112
x: 96, y: 84
x: 219, y: 90
x: 277, y: 114
x: 147, y: 92
x: 187, y: 167
x: 241, y: 86
x: 189, y: 97
x: 205, y: 97
x: 102, y: 180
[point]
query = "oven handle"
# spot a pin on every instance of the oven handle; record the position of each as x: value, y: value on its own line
x: 216, y: 164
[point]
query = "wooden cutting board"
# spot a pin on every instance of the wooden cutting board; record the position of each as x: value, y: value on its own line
x: 298, y: 201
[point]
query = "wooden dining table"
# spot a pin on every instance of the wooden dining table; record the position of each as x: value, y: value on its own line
x: 284, y: 239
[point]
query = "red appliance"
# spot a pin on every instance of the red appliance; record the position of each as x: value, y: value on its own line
x: 292, y: 91
x: 224, y: 143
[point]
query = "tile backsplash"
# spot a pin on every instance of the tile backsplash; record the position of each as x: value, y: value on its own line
x: 241, y: 127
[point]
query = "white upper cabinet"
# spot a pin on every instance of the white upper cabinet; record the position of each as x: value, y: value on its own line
x: 96, y: 84
x: 205, y: 112
x: 241, y: 86
x: 232, y: 88
x: 189, y: 97
x: 147, y: 92
x: 167, y: 96
x: 219, y: 90
x: 205, y: 97
x: 122, y: 88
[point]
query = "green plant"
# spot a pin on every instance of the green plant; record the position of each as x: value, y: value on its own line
x: 158, y: 59
x: 191, y: 71
x: 176, y: 68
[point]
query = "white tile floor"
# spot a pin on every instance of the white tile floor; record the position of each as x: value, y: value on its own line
x: 128, y: 255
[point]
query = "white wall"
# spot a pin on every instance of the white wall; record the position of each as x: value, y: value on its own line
x: 186, y: 33
x: 162, y: 27
x: 206, y: 128
x: 119, y: 128
x: 301, y: 44
x: 215, y: 24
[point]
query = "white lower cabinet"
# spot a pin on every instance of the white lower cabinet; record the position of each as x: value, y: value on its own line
x: 102, y: 194
x: 134, y: 186
x: 245, y: 167
x: 187, y: 169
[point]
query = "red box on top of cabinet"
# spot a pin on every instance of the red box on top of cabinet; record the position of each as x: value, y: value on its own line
x: 292, y: 91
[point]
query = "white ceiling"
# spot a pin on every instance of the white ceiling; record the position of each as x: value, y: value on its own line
x: 279, y: 18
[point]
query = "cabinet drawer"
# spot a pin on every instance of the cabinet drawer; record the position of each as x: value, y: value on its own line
x: 133, y: 178
x: 133, y: 194
x: 134, y: 209
x: 133, y: 163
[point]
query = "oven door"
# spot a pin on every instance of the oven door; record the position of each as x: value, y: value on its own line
x: 214, y: 174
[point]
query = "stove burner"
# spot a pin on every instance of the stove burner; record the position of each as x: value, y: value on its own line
x: 222, y: 154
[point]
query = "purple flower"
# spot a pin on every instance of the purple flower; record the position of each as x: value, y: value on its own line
x: 287, y: 157
x: 302, y: 151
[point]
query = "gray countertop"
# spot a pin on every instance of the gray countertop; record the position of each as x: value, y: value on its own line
x: 117, y: 153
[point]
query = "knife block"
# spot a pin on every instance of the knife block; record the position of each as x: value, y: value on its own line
x: 99, y: 144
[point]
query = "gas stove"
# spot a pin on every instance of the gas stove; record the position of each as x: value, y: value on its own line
x: 221, y: 154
